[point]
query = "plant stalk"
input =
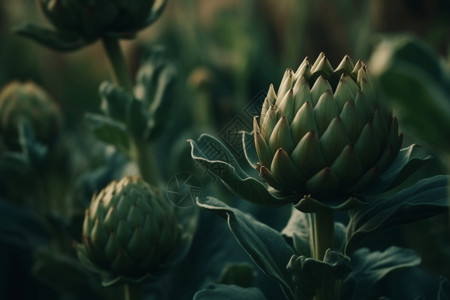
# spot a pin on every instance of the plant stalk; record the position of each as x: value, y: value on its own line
x: 131, y: 291
x: 119, y: 67
x: 142, y: 152
x: 322, y: 232
x: 144, y: 158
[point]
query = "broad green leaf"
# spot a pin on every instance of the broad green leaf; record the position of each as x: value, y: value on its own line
x: 370, y: 267
x: 266, y: 246
x: 62, y: 41
x: 426, y: 198
x: 229, y: 292
x: 408, y: 161
x: 110, y: 131
x: 214, y: 157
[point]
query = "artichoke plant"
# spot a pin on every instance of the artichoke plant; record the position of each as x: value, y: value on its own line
x: 130, y: 233
x: 325, y: 132
x: 27, y: 102
x: 79, y: 23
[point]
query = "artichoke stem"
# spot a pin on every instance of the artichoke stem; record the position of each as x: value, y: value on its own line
x: 131, y: 291
x: 144, y: 159
x: 115, y: 55
x: 322, y: 232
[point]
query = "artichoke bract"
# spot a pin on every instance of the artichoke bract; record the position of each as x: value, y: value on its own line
x: 94, y: 19
x: 27, y: 102
x: 325, y: 132
x: 130, y: 233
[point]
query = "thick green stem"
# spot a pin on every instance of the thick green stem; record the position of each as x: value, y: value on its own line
x: 143, y: 154
x: 322, y: 232
x: 131, y: 292
x: 119, y: 66
x: 144, y: 158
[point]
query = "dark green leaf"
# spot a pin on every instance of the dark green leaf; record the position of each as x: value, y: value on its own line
x: 155, y: 80
x: 110, y: 131
x: 407, y: 162
x: 266, y: 246
x: 229, y: 292
x: 370, y: 267
x: 115, y: 101
x: 49, y: 267
x: 20, y: 227
x: 426, y: 198
x: 248, y: 143
x: 241, y: 274
x: 62, y: 41
x: 214, y: 157
x: 310, y: 274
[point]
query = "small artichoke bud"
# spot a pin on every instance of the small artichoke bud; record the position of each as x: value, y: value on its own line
x: 325, y: 132
x: 94, y: 19
x: 130, y: 233
x: 27, y: 102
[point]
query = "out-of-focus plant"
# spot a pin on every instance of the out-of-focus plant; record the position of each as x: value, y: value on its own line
x: 131, y: 234
x: 417, y: 83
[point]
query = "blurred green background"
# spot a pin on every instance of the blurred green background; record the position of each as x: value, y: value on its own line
x: 227, y: 52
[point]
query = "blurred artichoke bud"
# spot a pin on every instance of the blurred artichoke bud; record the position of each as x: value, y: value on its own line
x: 27, y: 102
x: 324, y: 132
x: 130, y: 233
x: 94, y: 19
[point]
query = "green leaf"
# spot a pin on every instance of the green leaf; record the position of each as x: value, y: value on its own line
x: 62, y: 41
x: 424, y: 199
x: 370, y: 267
x: 49, y: 266
x: 266, y: 246
x: 311, y: 274
x: 20, y: 227
x: 248, y: 143
x: 155, y: 80
x: 214, y: 157
x: 241, y: 274
x: 408, y: 160
x: 115, y: 101
x: 110, y: 131
x: 412, y: 77
x: 228, y: 292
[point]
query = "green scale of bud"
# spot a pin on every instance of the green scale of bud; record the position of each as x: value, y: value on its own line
x: 325, y: 132
x: 130, y: 233
x: 27, y: 102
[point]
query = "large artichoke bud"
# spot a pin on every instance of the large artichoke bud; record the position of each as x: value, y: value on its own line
x: 324, y: 132
x: 27, y: 102
x: 130, y: 233
x: 94, y: 19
